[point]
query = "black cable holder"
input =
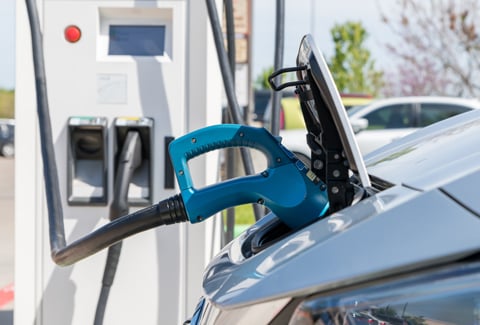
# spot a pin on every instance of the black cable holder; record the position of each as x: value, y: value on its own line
x: 275, y: 74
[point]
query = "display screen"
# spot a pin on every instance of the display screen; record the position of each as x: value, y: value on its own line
x: 138, y: 40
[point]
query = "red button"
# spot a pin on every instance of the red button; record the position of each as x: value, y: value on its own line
x: 72, y: 34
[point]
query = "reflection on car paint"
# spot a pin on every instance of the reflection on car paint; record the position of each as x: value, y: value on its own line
x: 231, y: 269
x: 446, y: 296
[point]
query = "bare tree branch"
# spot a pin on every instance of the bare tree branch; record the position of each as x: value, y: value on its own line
x: 437, y: 42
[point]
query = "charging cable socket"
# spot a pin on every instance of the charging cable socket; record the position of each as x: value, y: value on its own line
x: 87, y: 161
x: 140, y: 188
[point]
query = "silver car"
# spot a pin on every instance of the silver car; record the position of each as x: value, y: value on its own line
x: 409, y: 252
x: 386, y: 120
x: 405, y: 251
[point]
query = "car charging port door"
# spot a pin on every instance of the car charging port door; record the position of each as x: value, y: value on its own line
x: 87, y: 161
x: 140, y: 188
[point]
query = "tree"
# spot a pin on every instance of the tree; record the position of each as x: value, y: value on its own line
x: 351, y: 65
x: 262, y: 80
x: 437, y: 47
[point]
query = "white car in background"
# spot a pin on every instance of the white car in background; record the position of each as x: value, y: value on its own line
x: 385, y: 120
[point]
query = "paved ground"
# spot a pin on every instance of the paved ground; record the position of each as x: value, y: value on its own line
x: 7, y: 184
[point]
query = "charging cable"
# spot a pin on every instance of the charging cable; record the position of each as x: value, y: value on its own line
x: 128, y: 161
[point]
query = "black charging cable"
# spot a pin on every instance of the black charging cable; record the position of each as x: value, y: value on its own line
x: 129, y: 160
x: 50, y: 172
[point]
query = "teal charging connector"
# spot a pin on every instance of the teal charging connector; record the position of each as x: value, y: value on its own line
x: 287, y: 187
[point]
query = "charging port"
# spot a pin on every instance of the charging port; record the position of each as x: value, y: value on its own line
x: 140, y: 188
x: 87, y: 165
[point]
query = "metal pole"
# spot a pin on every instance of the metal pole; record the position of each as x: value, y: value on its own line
x: 278, y: 62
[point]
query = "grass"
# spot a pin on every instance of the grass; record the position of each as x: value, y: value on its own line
x: 7, y: 103
x: 244, y: 217
x: 244, y: 214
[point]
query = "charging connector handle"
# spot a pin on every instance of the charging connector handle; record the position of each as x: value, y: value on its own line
x: 286, y: 187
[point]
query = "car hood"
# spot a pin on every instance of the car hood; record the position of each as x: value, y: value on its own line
x: 414, y: 160
x: 403, y: 228
x: 395, y: 231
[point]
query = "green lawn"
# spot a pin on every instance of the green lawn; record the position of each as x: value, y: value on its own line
x: 7, y: 103
x: 244, y: 218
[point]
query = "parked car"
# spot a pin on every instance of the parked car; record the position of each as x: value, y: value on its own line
x: 7, y: 137
x: 261, y: 98
x: 385, y: 120
x: 291, y: 117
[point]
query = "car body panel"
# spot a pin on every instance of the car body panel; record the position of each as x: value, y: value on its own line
x: 438, y: 296
x: 429, y: 216
x: 321, y: 256
x: 461, y: 191
x: 414, y: 160
x: 370, y: 140
x: 261, y: 313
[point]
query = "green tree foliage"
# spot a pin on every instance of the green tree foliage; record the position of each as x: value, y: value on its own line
x: 262, y: 80
x: 7, y: 103
x: 352, y: 66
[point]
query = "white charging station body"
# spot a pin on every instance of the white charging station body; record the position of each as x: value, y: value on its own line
x: 147, y: 59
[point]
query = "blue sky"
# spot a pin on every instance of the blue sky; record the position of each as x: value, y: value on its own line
x: 298, y: 22
x: 7, y: 44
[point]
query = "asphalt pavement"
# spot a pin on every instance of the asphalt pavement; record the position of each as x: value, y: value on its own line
x: 7, y: 183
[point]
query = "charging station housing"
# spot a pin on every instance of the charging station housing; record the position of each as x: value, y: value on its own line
x: 112, y: 65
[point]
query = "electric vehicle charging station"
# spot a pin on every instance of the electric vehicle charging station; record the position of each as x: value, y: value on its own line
x: 111, y: 66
